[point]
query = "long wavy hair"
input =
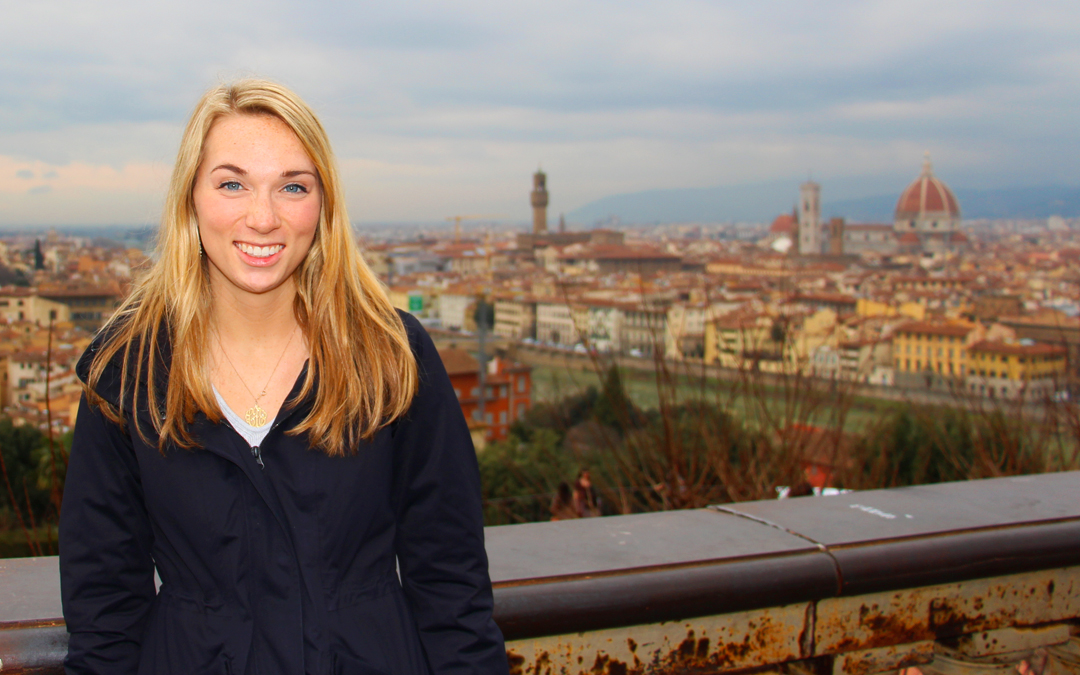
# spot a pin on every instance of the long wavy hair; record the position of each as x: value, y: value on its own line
x: 361, y: 368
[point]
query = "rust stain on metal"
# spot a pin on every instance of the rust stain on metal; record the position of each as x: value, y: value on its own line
x: 605, y: 665
x: 542, y: 665
x: 860, y: 635
x: 883, y: 659
x: 736, y: 641
x: 940, y: 612
x: 516, y: 661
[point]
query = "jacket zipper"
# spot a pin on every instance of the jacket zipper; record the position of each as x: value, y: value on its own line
x: 257, y: 451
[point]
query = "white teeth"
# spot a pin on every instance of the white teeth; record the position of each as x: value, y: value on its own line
x: 259, y: 251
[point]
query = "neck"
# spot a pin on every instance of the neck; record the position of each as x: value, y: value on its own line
x: 249, y: 319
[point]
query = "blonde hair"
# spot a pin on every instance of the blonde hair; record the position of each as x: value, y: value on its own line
x: 360, y: 358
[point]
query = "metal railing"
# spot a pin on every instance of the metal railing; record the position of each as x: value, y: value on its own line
x: 957, y: 577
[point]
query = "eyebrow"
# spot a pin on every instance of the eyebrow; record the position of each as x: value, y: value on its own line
x: 229, y: 167
x: 284, y: 174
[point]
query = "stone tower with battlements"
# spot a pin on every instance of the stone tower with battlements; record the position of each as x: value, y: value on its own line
x: 539, y: 202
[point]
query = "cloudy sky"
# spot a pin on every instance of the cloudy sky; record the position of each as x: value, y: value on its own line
x: 440, y: 108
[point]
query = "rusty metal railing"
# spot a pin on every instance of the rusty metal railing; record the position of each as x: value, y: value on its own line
x: 960, y: 577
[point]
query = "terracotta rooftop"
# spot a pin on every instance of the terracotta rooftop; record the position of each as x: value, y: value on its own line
x: 458, y: 361
x: 1013, y: 349
x: 616, y: 252
x: 934, y: 328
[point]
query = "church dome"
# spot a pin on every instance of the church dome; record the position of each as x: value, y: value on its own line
x: 784, y: 224
x: 927, y: 196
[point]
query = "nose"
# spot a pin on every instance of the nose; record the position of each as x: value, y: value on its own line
x: 262, y: 215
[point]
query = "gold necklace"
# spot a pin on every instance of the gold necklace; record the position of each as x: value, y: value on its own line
x: 255, y: 415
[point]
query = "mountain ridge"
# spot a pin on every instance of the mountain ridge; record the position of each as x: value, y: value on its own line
x: 764, y: 201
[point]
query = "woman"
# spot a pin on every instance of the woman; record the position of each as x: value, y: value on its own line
x: 264, y: 430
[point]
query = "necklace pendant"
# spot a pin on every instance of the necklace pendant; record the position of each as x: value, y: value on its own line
x: 255, y: 416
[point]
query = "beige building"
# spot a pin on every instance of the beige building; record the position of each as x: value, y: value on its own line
x: 559, y: 323
x: 515, y: 316
x: 644, y: 329
x: 20, y: 304
x: 90, y: 305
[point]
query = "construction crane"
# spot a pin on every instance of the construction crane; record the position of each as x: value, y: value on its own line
x: 457, y: 221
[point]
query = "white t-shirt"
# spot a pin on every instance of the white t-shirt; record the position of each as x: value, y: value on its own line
x: 253, y: 435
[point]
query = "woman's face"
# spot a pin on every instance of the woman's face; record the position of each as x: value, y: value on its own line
x: 257, y: 199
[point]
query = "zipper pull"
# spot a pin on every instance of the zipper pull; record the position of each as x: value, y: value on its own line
x: 258, y: 456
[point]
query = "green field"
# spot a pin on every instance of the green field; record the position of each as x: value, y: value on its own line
x: 553, y: 384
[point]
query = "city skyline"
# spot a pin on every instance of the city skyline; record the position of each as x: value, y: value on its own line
x: 452, y: 113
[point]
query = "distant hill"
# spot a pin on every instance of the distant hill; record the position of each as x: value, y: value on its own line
x: 1031, y: 202
x: 764, y: 201
x: 719, y: 204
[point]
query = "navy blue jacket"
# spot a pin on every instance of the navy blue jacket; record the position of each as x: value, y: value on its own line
x: 284, y: 569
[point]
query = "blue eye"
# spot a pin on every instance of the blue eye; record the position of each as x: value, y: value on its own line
x: 296, y: 189
x: 230, y: 185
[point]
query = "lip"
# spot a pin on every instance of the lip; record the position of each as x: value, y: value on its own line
x: 258, y: 261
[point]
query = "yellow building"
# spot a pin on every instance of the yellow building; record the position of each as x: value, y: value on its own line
x: 866, y: 307
x: 743, y: 340
x: 1011, y: 370
x: 922, y: 348
x: 806, y: 335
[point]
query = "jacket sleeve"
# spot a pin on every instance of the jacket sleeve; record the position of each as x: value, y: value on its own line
x: 440, y: 535
x: 106, y: 568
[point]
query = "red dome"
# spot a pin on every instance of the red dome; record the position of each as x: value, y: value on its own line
x: 784, y: 224
x: 927, y: 195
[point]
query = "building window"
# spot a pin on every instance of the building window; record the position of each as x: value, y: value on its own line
x: 502, y: 417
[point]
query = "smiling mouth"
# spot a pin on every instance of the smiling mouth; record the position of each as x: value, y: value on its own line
x: 259, y: 251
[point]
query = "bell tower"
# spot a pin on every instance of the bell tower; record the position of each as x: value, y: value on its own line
x: 810, y: 218
x: 539, y: 202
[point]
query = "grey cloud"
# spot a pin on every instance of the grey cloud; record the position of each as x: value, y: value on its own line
x: 39, y: 190
x: 80, y: 84
x: 25, y: 174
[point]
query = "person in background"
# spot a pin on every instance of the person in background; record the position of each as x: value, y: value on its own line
x: 562, y: 505
x: 586, y: 500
